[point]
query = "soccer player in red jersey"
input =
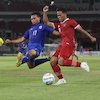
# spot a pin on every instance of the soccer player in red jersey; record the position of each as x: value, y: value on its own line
x: 67, y: 45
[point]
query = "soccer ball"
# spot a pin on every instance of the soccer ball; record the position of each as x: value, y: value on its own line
x: 48, y: 78
x: 1, y: 41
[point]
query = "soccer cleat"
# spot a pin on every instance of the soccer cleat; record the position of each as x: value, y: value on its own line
x: 18, y: 63
x: 60, y: 81
x: 85, y: 66
x: 19, y: 59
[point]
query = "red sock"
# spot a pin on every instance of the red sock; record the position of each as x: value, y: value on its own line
x: 57, y: 71
x: 69, y: 62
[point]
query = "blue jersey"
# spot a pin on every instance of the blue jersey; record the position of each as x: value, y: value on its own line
x: 38, y: 33
x: 23, y: 47
x: 36, y: 36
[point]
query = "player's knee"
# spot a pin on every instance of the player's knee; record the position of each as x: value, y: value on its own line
x: 32, y: 53
x: 32, y: 56
x: 53, y: 62
x: 60, y: 61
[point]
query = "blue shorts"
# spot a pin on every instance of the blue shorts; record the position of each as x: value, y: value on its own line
x: 37, y: 47
x: 23, y: 51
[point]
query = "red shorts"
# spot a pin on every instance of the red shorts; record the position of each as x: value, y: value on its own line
x: 64, y: 51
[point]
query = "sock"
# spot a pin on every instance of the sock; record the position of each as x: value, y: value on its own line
x: 57, y: 71
x: 40, y: 61
x: 25, y: 59
x: 71, y: 63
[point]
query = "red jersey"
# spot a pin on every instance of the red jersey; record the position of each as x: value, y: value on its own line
x: 66, y: 29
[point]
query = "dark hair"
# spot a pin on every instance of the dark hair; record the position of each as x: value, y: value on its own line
x: 61, y: 9
x: 36, y: 13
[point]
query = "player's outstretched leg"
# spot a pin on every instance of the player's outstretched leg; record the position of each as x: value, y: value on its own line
x: 35, y: 62
x: 72, y: 63
x: 41, y: 61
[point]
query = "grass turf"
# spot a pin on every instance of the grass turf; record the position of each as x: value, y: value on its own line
x: 24, y: 84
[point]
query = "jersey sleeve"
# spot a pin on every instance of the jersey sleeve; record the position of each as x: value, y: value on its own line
x: 49, y: 29
x: 74, y: 23
x: 26, y: 34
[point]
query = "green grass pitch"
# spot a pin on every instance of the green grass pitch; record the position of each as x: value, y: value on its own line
x: 24, y: 84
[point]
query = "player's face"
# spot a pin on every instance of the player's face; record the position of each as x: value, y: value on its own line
x: 61, y: 16
x: 35, y: 19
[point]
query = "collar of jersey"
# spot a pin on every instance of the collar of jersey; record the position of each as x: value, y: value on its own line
x: 65, y: 20
x: 37, y: 24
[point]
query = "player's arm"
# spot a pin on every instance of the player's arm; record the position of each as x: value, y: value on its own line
x: 15, y: 41
x: 46, y: 20
x: 56, y: 33
x: 45, y: 17
x: 80, y: 29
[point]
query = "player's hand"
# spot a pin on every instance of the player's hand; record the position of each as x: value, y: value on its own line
x: 7, y: 41
x: 93, y: 39
x: 45, y: 9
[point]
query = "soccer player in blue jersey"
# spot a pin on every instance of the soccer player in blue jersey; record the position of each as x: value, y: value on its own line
x: 36, y: 36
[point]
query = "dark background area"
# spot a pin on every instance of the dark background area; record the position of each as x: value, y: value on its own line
x: 15, y: 19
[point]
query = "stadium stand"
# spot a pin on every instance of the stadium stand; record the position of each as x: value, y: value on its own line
x: 86, y: 12
x: 96, y: 6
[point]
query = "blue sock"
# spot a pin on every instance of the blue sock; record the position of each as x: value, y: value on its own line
x: 25, y: 59
x: 40, y: 61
